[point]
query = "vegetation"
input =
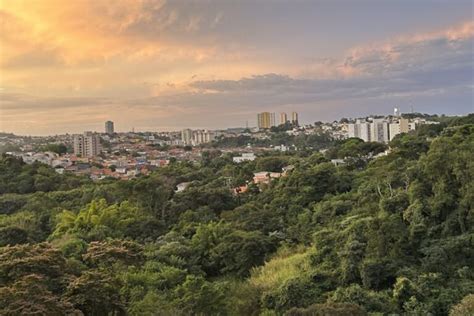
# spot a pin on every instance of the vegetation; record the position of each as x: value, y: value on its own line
x: 391, y: 235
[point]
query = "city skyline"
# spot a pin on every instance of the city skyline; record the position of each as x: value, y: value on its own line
x: 156, y: 65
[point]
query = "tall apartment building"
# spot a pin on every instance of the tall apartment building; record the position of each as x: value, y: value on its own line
x: 109, y: 127
x: 353, y: 130
x: 283, y: 118
x: 294, y: 118
x: 197, y: 137
x: 402, y: 126
x: 265, y: 120
x: 187, y: 136
x: 202, y: 137
x: 364, y: 128
x: 379, y: 131
x: 87, y: 144
x: 361, y: 129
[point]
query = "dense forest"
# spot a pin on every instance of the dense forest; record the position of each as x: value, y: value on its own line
x: 386, y: 236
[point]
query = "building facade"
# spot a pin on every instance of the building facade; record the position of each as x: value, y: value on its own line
x: 294, y: 119
x: 265, y: 120
x: 197, y: 137
x: 402, y: 126
x: 109, y: 127
x: 187, y: 136
x: 379, y: 131
x: 283, y: 118
x: 87, y: 144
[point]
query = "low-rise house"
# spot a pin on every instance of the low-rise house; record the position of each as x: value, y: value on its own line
x: 180, y: 187
x: 264, y: 177
x: 244, y: 157
x: 338, y: 162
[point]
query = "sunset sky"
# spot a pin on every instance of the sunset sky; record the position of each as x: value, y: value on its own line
x: 68, y: 66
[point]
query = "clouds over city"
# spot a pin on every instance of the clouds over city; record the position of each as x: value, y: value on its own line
x: 157, y: 64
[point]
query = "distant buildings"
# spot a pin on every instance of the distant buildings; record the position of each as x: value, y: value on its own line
x: 402, y: 126
x: 244, y: 157
x: 187, y: 136
x: 294, y: 119
x: 87, y: 144
x: 109, y: 127
x: 265, y: 120
x: 264, y: 177
x: 360, y: 129
x: 197, y: 137
x: 380, y: 130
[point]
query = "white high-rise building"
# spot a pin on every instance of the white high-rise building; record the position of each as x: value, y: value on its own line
x: 187, y: 136
x: 87, y: 144
x: 364, y: 128
x: 202, y: 137
x: 379, y: 131
x: 353, y: 130
x: 197, y: 137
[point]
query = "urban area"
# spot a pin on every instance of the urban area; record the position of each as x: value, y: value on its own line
x: 126, y: 155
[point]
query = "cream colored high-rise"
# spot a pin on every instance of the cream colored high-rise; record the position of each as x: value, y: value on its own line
x: 283, y: 118
x: 87, y: 144
x: 187, y: 136
x: 265, y: 120
x: 294, y: 118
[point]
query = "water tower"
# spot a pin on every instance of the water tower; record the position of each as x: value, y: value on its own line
x: 396, y: 112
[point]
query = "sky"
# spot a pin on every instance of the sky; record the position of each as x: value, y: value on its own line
x: 153, y: 65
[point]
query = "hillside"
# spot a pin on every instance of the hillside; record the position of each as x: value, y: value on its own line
x: 391, y: 235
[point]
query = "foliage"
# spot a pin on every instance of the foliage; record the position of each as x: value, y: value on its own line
x: 385, y: 235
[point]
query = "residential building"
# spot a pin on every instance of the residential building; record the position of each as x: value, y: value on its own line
x: 244, y: 157
x: 109, y: 127
x: 364, y: 128
x: 87, y: 144
x: 187, y: 136
x: 197, y: 137
x: 202, y: 137
x: 283, y: 118
x: 402, y: 126
x: 294, y: 119
x: 265, y: 120
x: 379, y: 131
x: 353, y: 130
x: 265, y: 177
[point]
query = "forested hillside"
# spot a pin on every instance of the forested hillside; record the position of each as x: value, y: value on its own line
x: 391, y: 235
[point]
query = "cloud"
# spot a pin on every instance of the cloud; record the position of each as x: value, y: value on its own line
x: 412, y: 65
x: 178, y: 61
